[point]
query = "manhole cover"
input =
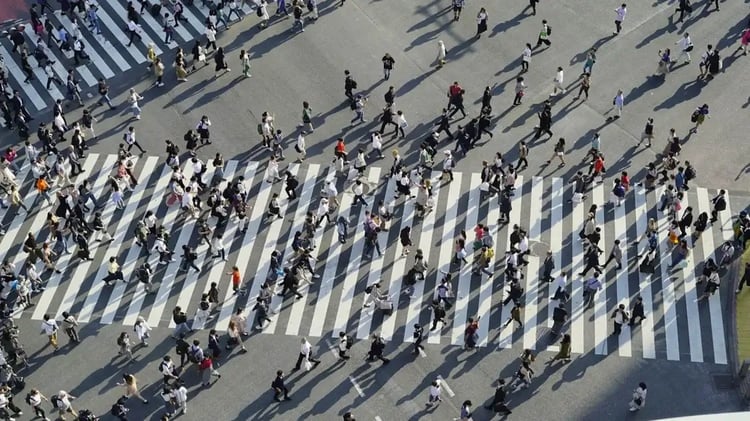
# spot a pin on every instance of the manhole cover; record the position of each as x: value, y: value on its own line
x: 723, y: 381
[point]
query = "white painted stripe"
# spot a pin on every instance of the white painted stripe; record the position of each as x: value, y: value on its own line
x: 425, y: 243
x: 127, y: 265
x: 356, y: 387
x: 149, y: 20
x: 296, y: 313
x: 644, y: 280
x: 374, y: 272
x: 256, y: 214
x: 463, y: 289
x: 122, y: 13
x: 485, y: 290
x: 77, y: 278
x: 12, y: 233
x: 328, y: 279
x: 443, y: 383
x: 96, y: 60
x: 555, y: 245
x: 714, y: 302
x: 622, y: 276
x: 446, y: 254
x: 303, y: 200
x: 53, y: 280
x: 506, y: 333
x: 398, y: 270
x: 577, y: 315
x: 196, y: 23
x: 157, y: 198
x: 667, y: 291
x: 532, y: 270
x: 355, y: 262
x: 171, y: 270
x: 600, y: 299
x: 127, y: 217
x: 39, y: 72
x: 114, y: 28
x: 691, y: 304
x: 229, y: 237
x: 109, y: 48
x: 19, y: 76
x: 185, y: 297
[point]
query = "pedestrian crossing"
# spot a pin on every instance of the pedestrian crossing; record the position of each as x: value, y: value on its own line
x: 677, y: 326
x: 109, y: 52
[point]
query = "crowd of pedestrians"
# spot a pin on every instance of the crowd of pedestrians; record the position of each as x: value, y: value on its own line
x: 74, y: 212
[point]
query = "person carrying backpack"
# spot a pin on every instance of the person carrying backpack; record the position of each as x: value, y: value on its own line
x: 376, y: 350
x: 620, y: 317
x: 345, y: 344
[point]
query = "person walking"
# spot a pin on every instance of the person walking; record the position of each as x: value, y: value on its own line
x: 207, y: 369
x: 618, y: 102
x: 245, y: 61
x: 131, y: 387
x: 620, y: 13
x: 558, y: 82
x: 305, y: 354
x: 636, y: 311
x: 481, y: 22
x: 564, y: 353
x: 686, y: 46
x: 616, y: 255
x: 544, y: 35
x: 442, y: 53
x: 620, y: 316
x: 698, y: 117
x: 377, y: 346
x: 520, y: 90
x: 388, y: 63
x: 220, y: 63
x: 70, y: 325
x: 49, y: 327
x: 279, y: 387
x: 559, y: 152
x: 434, y: 395
x: 590, y: 288
x: 526, y: 57
x: 498, y: 400
x: 34, y: 398
x: 719, y: 204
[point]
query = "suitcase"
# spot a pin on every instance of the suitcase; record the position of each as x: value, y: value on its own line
x: 386, y: 306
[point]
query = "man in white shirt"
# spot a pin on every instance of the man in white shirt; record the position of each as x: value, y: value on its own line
x: 133, y: 29
x: 526, y: 58
x: 620, y: 317
x: 332, y: 192
x: 181, y: 395
x: 561, y: 282
x: 686, y: 46
x: 558, y: 82
x: 218, y: 244
x: 49, y: 327
x: 305, y: 353
x: 359, y: 191
x: 620, y: 13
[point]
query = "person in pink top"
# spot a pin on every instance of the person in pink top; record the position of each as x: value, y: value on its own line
x: 10, y: 157
x: 744, y: 40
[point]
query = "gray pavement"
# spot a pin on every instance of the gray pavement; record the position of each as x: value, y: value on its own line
x: 288, y: 69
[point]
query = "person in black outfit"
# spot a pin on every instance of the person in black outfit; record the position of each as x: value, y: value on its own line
x: 290, y: 284
x: 637, y: 311
x: 438, y: 314
x: 592, y: 260
x: 18, y: 40
x: 376, y: 350
x: 514, y: 294
x: 445, y: 124
x: 458, y: 103
x: 390, y: 96
x: 189, y: 256
x: 349, y: 85
x: 719, y: 204
x: 291, y: 185
x: 279, y: 388
x: 559, y: 317
x: 545, y: 121
x: 387, y: 118
x: 418, y: 338
x: 498, y: 402
x: 486, y: 98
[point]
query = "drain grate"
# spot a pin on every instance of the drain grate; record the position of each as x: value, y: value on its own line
x: 723, y: 381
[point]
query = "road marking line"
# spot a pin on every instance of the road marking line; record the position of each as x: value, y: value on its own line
x: 446, y: 387
x: 356, y: 387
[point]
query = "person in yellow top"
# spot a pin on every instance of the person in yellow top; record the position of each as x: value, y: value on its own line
x: 486, y: 256
x: 158, y: 72
x: 113, y: 272
x: 151, y: 55
x: 15, y: 198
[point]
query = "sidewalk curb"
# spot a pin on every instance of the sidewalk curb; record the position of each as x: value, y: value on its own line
x: 733, y: 274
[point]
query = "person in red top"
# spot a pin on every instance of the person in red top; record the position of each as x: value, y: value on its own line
x: 10, y: 156
x: 236, y: 279
x: 454, y: 89
x: 470, y: 334
x: 597, y: 168
x: 340, y: 148
x: 625, y: 180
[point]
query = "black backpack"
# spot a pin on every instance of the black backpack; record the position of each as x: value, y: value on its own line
x: 349, y: 342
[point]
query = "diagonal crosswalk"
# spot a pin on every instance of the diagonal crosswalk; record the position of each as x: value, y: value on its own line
x: 677, y: 326
x: 109, y: 51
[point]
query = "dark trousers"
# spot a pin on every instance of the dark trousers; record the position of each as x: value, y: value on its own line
x: 55, y: 79
x: 358, y: 198
x: 185, y: 263
x: 135, y: 143
x: 590, y: 266
x: 541, y: 41
x: 385, y: 123
x: 517, y: 99
x: 583, y: 90
x: 132, y: 35
x: 302, y: 357
x: 618, y: 329
x: 540, y: 131
x: 618, y: 26
x: 611, y: 258
x: 290, y: 193
x: 447, y: 131
x: 524, y: 66
x: 525, y: 163
x: 418, y: 344
x: 278, y: 393
x: 459, y: 107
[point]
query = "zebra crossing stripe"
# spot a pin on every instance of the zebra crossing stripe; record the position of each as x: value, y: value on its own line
x: 113, y: 250
x: 139, y: 294
x: 463, y: 280
x: 308, y: 186
x: 622, y: 276
x: 398, y: 269
x: 576, y: 294
x: 354, y: 262
x: 192, y: 20
x: 446, y: 254
x: 256, y: 213
x: 425, y: 242
x: 485, y: 289
x: 690, y: 297
x: 714, y: 302
x: 122, y: 13
x: 17, y: 74
x: 14, y: 227
x: 298, y: 306
x: 39, y: 72
x: 506, y: 334
x: 127, y: 265
x: 555, y: 246
x: 119, y: 36
x: 532, y: 269
x: 83, y: 70
x: 172, y: 269
x: 204, y: 248
x: 601, y: 304
x: 644, y: 280
x: 667, y: 291
x: 375, y: 270
x: 77, y: 277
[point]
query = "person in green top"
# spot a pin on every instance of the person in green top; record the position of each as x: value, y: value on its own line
x: 307, y: 116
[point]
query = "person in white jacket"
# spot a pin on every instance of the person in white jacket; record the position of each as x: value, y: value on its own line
x: 273, y: 170
x: 686, y: 46
x: 142, y: 330
x: 322, y: 212
x: 402, y: 124
x: 300, y: 146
